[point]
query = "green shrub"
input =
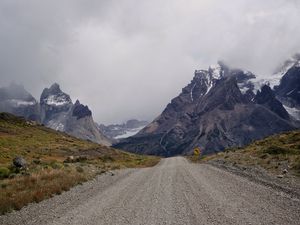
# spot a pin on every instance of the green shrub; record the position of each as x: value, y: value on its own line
x: 107, y: 158
x: 14, y: 169
x: 56, y: 165
x: 4, y: 172
x: 275, y: 150
x: 79, y: 169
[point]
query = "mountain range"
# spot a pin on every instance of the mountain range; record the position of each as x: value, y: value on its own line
x: 55, y: 110
x: 223, y: 107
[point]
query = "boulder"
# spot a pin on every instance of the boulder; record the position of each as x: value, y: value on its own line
x: 19, y: 162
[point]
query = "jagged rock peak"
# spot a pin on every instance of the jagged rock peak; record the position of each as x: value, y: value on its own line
x: 55, y: 96
x: 205, y: 80
x: 267, y: 98
x: 213, y: 71
x: 81, y: 111
x: 265, y: 94
x: 55, y: 88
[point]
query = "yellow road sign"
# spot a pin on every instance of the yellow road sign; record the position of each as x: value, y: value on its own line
x: 197, y: 151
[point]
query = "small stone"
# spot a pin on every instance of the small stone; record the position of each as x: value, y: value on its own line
x: 285, y: 171
x: 280, y: 176
x: 69, y: 159
x: 19, y: 162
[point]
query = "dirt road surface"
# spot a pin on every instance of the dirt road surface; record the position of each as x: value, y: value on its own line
x: 173, y: 192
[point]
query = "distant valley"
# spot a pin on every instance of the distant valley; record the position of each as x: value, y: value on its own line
x: 119, y: 131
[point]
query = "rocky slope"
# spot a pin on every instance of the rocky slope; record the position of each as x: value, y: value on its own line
x: 218, y: 109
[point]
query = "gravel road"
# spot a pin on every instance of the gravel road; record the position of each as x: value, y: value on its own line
x: 173, y: 192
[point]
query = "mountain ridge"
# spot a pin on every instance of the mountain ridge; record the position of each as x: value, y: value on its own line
x: 217, y: 110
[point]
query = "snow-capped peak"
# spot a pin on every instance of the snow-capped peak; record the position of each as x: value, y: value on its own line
x: 216, y: 71
x: 207, y: 78
x: 275, y: 78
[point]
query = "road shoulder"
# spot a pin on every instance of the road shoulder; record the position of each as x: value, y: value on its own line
x: 287, y: 184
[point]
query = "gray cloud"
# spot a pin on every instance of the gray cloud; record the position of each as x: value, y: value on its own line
x: 128, y: 58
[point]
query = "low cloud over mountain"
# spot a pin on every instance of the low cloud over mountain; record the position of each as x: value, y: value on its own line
x: 133, y: 56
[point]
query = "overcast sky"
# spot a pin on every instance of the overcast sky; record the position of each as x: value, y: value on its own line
x: 128, y: 58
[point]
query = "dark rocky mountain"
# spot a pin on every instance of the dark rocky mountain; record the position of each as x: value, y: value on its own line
x: 218, y: 109
x: 55, y: 110
x: 81, y: 111
x: 118, y: 131
x: 266, y: 97
x: 16, y: 100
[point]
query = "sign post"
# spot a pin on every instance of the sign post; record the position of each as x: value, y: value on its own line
x: 197, y: 152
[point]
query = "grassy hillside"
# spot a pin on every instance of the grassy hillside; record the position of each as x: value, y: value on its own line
x: 277, y: 154
x: 55, y: 161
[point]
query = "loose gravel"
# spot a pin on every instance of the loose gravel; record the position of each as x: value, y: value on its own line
x: 173, y: 192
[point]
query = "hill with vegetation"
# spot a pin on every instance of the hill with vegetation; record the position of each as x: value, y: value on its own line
x: 278, y: 154
x: 55, y: 161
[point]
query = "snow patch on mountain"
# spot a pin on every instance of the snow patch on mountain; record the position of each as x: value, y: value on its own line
x: 56, y: 100
x: 209, y: 85
x: 274, y: 79
x: 192, y: 92
x: 271, y: 81
x: 208, y: 77
x: 129, y: 133
x: 118, y: 131
x: 216, y: 71
x: 243, y: 88
x: 293, y: 112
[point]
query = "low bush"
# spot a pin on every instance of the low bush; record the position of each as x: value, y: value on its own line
x: 4, y: 172
x: 79, y: 169
x: 275, y: 150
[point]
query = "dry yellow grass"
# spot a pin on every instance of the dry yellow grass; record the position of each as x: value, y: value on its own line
x: 21, y: 190
x: 45, y: 151
x: 275, y: 153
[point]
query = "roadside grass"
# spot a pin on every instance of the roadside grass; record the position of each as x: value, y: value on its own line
x: 21, y: 190
x: 49, y: 170
x: 275, y: 154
